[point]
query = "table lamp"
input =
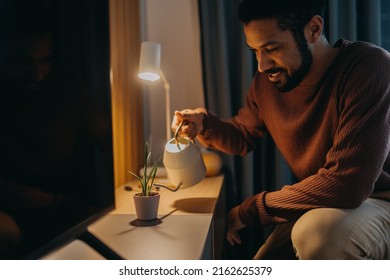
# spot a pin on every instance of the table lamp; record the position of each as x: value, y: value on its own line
x: 149, y: 69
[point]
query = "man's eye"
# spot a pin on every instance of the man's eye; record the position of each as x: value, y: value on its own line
x: 271, y: 50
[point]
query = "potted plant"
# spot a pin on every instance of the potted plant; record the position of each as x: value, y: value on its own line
x: 146, y: 202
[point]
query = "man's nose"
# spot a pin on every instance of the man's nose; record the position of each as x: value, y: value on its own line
x: 263, y: 62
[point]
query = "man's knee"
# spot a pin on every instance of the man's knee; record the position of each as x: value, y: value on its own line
x: 320, y: 234
x: 329, y: 233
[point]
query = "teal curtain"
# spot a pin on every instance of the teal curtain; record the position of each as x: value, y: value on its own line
x: 359, y: 20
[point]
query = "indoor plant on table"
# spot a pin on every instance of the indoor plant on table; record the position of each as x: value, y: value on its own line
x: 146, y: 202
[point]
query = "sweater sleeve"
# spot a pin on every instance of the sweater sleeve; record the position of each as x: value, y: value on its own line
x: 237, y: 135
x: 353, y: 164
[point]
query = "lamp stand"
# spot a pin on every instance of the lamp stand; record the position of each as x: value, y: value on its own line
x: 161, y: 172
x: 167, y: 105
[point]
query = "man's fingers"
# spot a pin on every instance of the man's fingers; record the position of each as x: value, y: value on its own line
x: 233, y: 238
x: 187, y: 113
x: 192, y: 122
x: 229, y: 239
x: 188, y: 130
x: 179, y: 116
x: 236, y: 238
x: 177, y: 119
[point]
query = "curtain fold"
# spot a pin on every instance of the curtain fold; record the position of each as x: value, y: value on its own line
x: 228, y: 67
x: 126, y: 94
x: 356, y: 20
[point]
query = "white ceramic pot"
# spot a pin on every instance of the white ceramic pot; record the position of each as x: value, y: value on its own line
x: 183, y: 162
x: 146, y: 207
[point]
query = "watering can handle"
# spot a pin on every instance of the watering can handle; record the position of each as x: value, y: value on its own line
x: 177, y: 135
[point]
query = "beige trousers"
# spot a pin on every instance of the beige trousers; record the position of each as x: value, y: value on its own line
x: 333, y: 234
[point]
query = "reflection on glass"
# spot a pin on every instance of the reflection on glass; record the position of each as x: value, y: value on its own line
x: 55, y: 144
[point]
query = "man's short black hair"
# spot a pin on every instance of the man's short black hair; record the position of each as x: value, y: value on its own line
x: 260, y: 9
x: 290, y: 15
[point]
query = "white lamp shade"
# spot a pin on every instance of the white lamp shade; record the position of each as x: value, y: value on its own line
x: 149, y: 64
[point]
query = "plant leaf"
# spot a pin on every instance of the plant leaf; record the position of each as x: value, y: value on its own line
x: 147, y: 180
x: 136, y: 176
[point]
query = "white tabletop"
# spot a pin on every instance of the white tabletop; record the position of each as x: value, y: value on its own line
x: 173, y: 237
x: 183, y: 229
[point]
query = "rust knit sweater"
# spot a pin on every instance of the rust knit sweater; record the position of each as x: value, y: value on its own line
x: 335, y: 135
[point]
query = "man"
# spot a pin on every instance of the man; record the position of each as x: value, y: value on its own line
x: 327, y: 109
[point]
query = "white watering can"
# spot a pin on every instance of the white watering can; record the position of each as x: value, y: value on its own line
x: 183, y: 162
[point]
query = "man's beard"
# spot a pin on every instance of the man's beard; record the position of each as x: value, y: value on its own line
x: 297, y: 76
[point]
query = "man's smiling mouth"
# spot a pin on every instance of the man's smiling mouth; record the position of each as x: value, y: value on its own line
x: 274, y: 74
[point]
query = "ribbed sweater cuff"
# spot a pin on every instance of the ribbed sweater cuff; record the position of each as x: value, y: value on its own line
x: 249, y: 209
x: 209, y: 122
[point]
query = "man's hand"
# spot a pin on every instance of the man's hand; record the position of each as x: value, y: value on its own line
x: 234, y: 225
x: 192, y: 122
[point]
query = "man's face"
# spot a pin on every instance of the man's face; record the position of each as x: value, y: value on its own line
x: 279, y: 55
x: 28, y: 65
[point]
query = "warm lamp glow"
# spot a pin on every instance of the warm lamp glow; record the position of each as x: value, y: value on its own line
x: 149, y: 76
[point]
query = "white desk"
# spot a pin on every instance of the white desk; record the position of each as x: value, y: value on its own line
x: 190, y: 224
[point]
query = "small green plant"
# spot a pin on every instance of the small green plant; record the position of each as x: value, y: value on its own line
x: 147, y: 180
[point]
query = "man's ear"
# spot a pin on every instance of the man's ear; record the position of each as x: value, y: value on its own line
x: 314, y: 28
